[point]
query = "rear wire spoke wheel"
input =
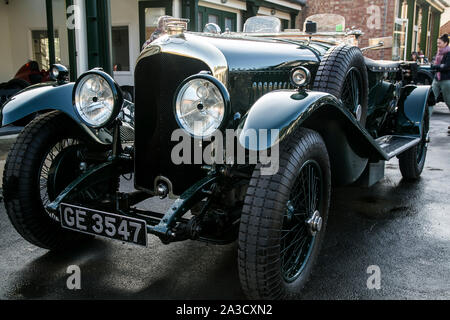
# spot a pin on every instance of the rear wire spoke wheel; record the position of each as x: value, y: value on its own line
x: 284, y: 219
x: 351, y: 93
x: 343, y: 73
x: 412, y: 161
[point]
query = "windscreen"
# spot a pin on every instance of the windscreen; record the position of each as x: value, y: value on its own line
x: 262, y: 25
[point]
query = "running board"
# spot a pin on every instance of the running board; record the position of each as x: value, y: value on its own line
x: 395, y: 145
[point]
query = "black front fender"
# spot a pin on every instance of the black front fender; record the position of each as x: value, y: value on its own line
x: 43, y: 98
x: 285, y: 110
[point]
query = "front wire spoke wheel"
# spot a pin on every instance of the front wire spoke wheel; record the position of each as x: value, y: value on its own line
x: 44, y: 172
x: 51, y: 138
x: 298, y: 235
x: 284, y: 219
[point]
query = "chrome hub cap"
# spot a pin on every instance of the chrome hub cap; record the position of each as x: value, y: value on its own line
x: 314, y: 223
x: 358, y: 112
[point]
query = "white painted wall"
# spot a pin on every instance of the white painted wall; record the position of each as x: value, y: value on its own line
x: 126, y: 13
x: 445, y: 17
x: 279, y: 14
x: 6, y: 67
x: 17, y: 19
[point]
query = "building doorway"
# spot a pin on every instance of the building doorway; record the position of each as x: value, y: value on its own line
x: 149, y: 12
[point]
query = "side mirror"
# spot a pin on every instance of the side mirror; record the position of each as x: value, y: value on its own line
x: 310, y: 27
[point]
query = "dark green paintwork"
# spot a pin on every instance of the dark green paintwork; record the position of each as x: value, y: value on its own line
x: 289, y: 109
x: 189, y: 10
x: 42, y: 98
x: 98, y: 25
x: 381, y: 102
x: 411, y: 110
x: 349, y: 145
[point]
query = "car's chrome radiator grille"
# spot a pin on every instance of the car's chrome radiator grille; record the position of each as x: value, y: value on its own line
x: 247, y: 86
x: 126, y: 134
x: 261, y: 88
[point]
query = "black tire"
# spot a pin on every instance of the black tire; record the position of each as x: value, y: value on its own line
x: 333, y: 72
x: 412, y: 161
x: 265, y: 212
x: 21, y: 182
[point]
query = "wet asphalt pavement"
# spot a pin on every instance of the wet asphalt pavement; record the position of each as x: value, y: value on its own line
x: 404, y: 228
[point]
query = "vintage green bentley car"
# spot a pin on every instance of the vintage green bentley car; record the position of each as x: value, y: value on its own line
x: 247, y: 134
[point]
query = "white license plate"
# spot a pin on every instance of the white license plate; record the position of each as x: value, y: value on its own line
x: 103, y: 224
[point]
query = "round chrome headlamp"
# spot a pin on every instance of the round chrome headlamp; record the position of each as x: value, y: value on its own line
x: 200, y: 105
x: 300, y: 77
x: 97, y: 99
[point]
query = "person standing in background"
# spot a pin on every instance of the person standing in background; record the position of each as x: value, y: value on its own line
x: 441, y: 64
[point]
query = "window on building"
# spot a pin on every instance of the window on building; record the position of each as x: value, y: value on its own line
x: 224, y: 19
x: 151, y: 20
x: 200, y: 21
x: 401, y: 9
x: 229, y: 23
x: 40, y: 43
x: 149, y: 13
x: 417, y: 31
x: 212, y: 18
x: 284, y: 24
x: 120, y: 48
x: 400, y: 31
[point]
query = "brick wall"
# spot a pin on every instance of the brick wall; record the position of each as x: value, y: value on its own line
x: 356, y: 14
x: 445, y: 29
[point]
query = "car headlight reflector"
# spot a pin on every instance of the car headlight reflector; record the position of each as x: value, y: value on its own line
x: 96, y: 99
x: 55, y: 73
x: 200, y: 107
x: 300, y: 77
